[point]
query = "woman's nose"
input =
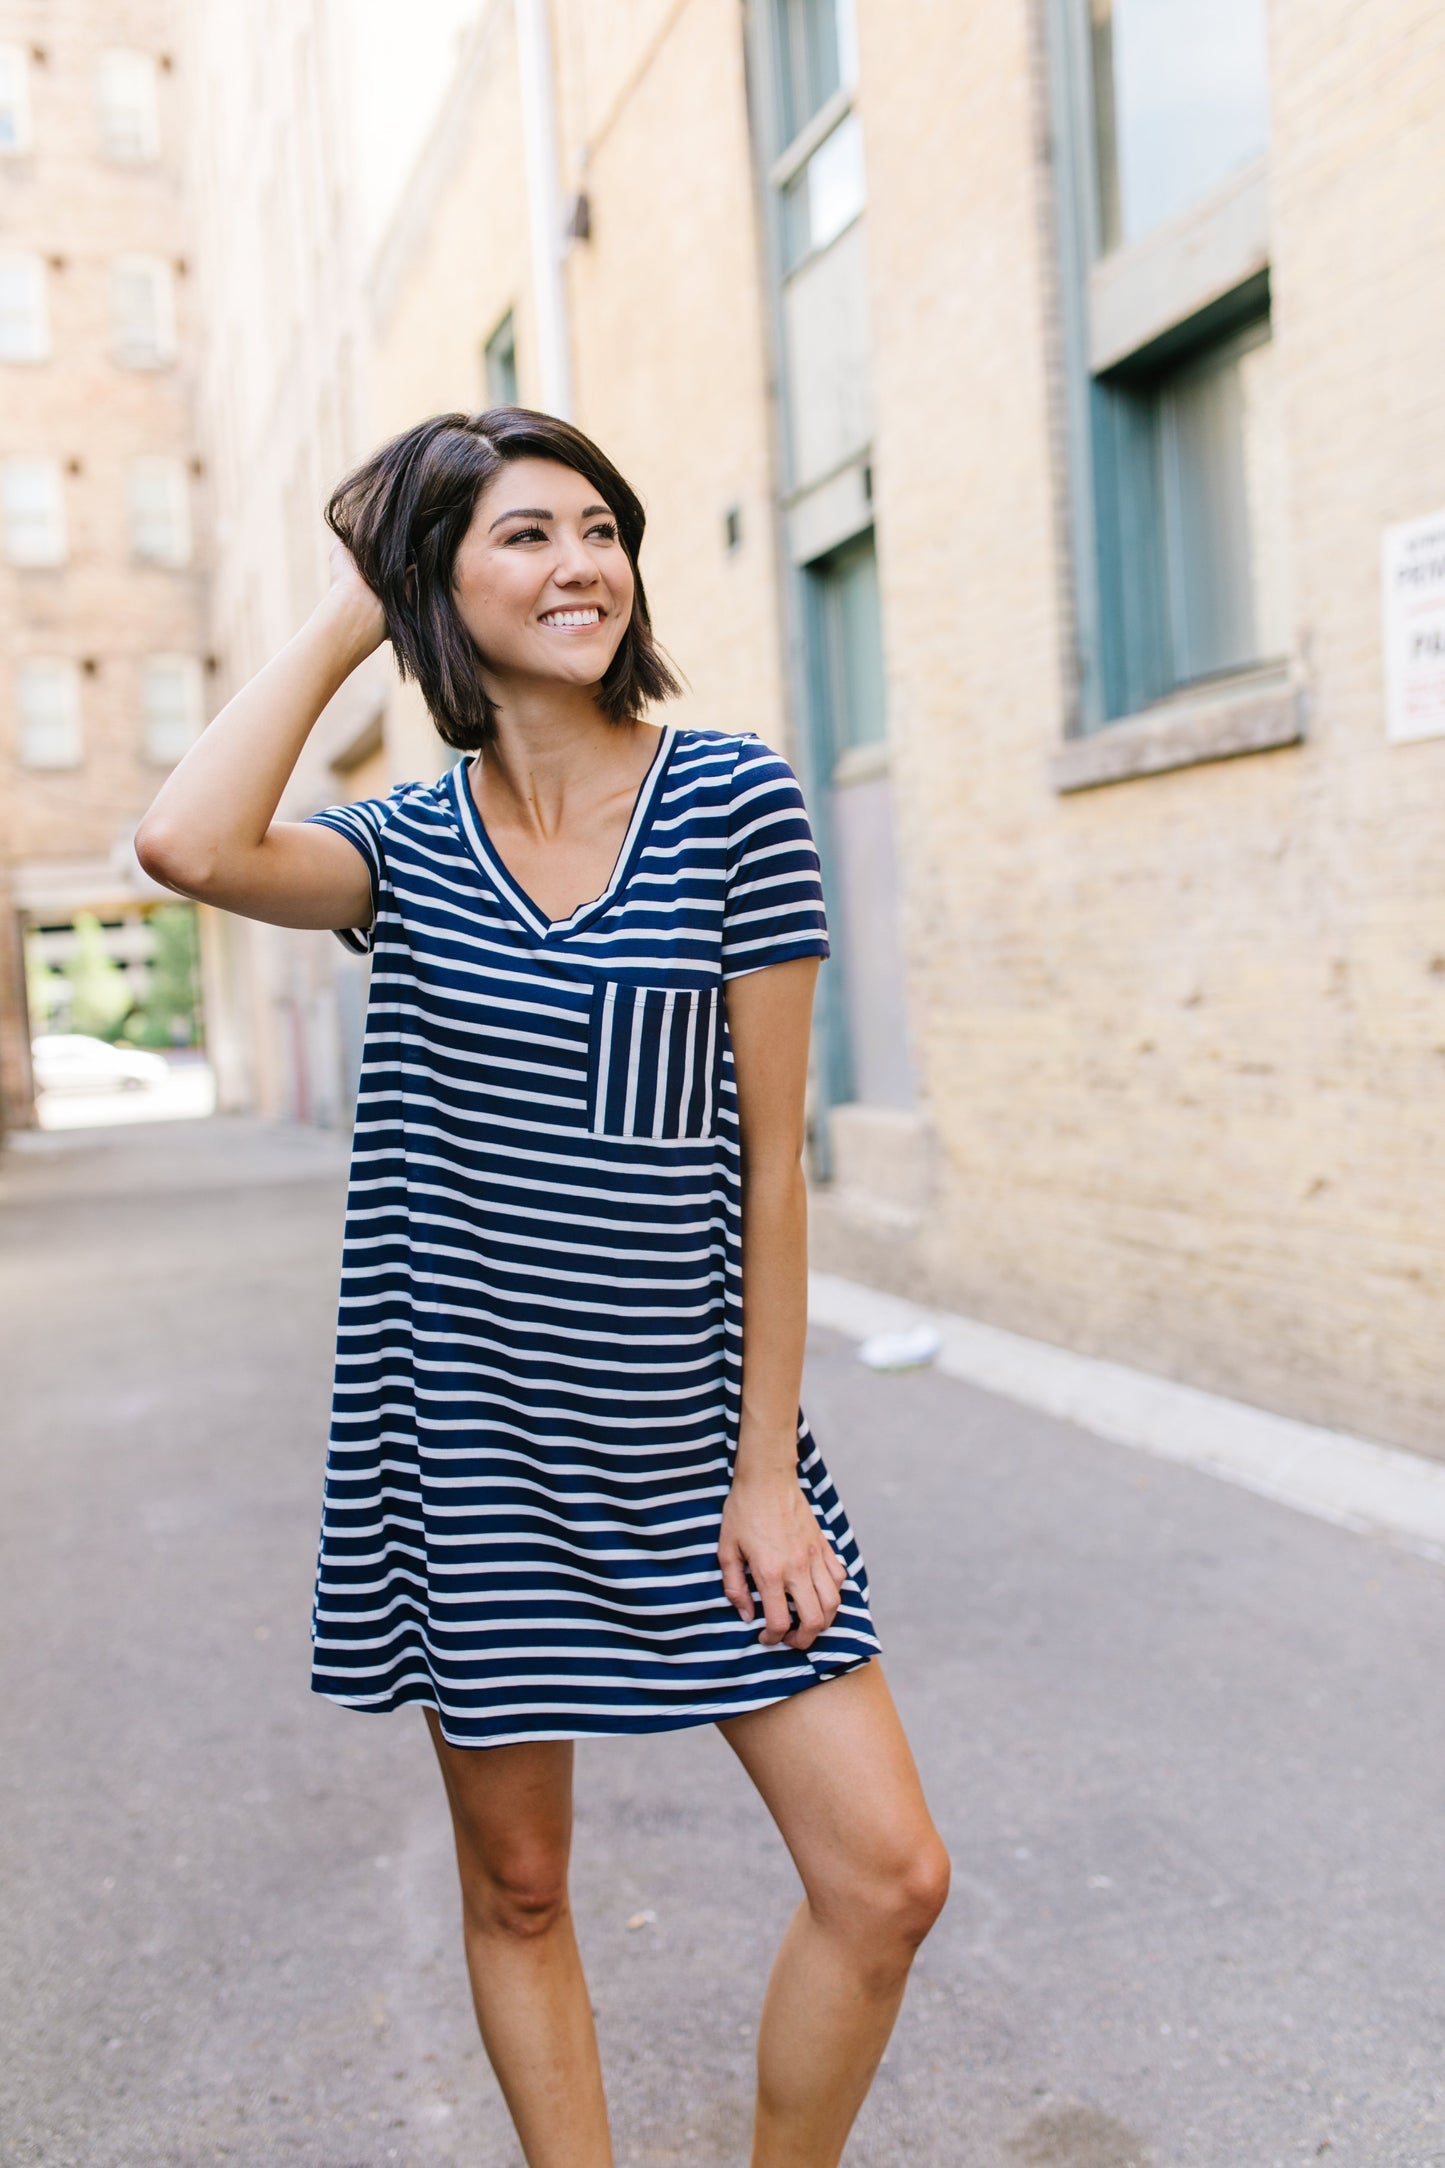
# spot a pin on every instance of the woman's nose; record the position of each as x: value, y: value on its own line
x: 574, y: 561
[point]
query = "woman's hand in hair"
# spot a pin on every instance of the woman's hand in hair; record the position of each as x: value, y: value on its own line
x: 212, y: 832
x: 357, y: 603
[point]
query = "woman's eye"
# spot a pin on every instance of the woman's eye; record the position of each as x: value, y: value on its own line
x: 526, y: 534
x: 606, y: 529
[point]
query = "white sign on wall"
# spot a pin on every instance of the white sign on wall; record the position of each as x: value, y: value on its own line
x: 1414, y: 575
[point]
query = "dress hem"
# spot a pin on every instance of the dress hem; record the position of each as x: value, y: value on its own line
x: 684, y: 1720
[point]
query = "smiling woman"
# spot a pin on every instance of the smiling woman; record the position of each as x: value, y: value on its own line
x: 406, y: 516
x: 569, y: 1488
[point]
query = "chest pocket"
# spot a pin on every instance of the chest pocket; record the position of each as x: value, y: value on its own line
x: 653, y: 1058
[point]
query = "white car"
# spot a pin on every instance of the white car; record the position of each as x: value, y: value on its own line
x: 71, y: 1061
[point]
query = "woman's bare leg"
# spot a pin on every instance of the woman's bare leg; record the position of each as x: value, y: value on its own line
x: 835, y: 1770
x: 512, y: 1814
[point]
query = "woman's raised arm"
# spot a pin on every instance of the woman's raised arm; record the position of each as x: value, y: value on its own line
x: 211, y: 832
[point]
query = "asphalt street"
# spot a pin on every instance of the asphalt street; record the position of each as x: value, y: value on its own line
x: 1187, y: 1748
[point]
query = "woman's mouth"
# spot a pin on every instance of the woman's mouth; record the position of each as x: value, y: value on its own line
x: 572, y: 620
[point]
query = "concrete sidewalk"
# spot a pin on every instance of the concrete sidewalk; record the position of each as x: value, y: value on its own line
x: 1187, y: 1746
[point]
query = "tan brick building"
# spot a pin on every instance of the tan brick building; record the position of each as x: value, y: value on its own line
x: 1021, y: 404
x: 102, y: 495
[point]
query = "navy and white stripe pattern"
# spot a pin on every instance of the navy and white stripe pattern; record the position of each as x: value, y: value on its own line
x: 652, y: 1060
x: 539, y: 1346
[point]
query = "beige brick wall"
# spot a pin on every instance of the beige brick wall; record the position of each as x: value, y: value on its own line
x: 666, y: 305
x: 94, y: 415
x: 79, y: 210
x: 1182, y: 1039
x: 670, y: 336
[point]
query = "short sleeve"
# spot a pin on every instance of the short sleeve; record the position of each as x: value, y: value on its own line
x: 364, y: 824
x: 774, y: 904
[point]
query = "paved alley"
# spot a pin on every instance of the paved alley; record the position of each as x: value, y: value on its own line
x: 1187, y: 1747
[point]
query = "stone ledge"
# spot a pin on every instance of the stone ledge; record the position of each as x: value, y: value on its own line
x: 1183, y: 734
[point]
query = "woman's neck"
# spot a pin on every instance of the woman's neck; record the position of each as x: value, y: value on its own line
x: 553, y: 751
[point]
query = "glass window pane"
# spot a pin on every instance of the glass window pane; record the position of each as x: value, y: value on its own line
x: 143, y: 311
x: 1181, y: 101
x: 171, y: 706
x: 827, y: 195
x: 129, y: 122
x: 810, y: 59
x: 48, y: 698
x: 852, y: 628
x: 32, y: 497
x: 836, y: 185
x: 1266, y: 495
x: 24, y: 331
x: 160, y: 527
x: 500, y: 364
x: 1219, y: 444
x: 14, y: 101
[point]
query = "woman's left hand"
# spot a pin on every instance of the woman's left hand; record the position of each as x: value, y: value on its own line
x: 770, y: 1531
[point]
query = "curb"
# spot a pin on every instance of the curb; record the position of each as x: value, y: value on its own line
x: 1353, y: 1482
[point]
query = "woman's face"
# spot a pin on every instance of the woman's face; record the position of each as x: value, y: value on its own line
x: 541, y: 580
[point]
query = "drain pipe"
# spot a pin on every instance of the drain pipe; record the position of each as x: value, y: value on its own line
x: 544, y: 205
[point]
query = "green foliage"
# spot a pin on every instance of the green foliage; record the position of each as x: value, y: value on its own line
x: 171, y: 1015
x: 99, y: 996
x: 44, y: 988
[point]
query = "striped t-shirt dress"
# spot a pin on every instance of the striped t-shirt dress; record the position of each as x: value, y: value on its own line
x: 540, y: 1338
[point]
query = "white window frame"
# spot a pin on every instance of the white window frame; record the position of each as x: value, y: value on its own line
x: 158, y: 500
x: 25, y: 330
x: 167, y: 736
x: 123, y: 69
x: 15, y: 101
x: 66, y: 745
x: 130, y: 350
x: 32, y: 505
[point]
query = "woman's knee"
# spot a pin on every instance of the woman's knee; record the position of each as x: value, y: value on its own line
x: 888, y: 1902
x: 521, y: 1894
x: 920, y: 1889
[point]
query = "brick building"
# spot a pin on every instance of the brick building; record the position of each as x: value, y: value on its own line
x: 103, y: 682
x: 1022, y: 401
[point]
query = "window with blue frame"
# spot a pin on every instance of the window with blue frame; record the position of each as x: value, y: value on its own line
x: 1165, y: 108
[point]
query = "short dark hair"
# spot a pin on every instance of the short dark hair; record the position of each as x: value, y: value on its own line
x: 404, y: 512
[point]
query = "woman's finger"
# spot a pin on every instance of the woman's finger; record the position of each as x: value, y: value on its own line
x: 735, y: 1580
x: 829, y: 1589
x: 777, y: 1620
x: 811, y: 1617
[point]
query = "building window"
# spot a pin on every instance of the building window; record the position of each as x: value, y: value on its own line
x: 1179, y: 536
x: 160, y: 516
x: 129, y: 116
x: 48, y: 698
x: 816, y: 58
x: 848, y: 649
x: 171, y: 704
x: 1221, y: 502
x: 1181, y: 101
x: 24, y: 329
x: 826, y: 194
x: 33, y: 503
x: 499, y: 364
x: 14, y: 102
x: 817, y: 187
x: 143, y: 312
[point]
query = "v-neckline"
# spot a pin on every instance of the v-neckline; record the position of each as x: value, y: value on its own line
x: 531, y: 914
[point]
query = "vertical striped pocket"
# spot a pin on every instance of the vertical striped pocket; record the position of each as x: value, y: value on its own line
x: 653, y: 1057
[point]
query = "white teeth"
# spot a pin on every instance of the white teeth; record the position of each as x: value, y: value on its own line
x: 572, y: 617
